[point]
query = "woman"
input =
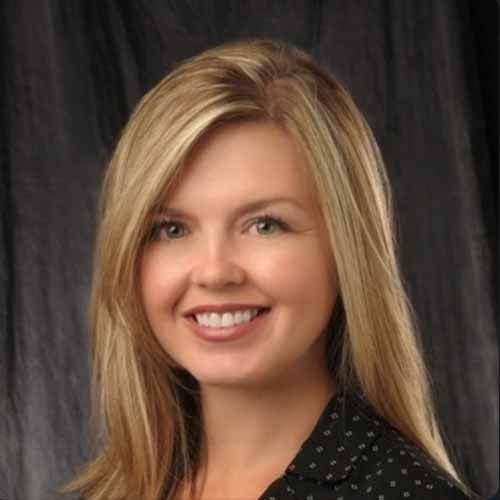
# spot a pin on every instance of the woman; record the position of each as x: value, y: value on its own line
x: 251, y: 335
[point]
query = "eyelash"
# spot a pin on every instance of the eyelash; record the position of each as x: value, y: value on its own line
x: 159, y: 225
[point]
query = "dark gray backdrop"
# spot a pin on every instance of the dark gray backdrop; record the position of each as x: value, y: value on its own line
x: 71, y: 72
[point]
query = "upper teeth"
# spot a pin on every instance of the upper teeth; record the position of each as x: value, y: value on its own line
x: 216, y: 320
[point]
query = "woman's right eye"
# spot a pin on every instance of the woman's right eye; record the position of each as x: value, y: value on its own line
x: 165, y: 229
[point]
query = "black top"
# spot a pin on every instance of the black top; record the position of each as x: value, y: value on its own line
x: 353, y: 454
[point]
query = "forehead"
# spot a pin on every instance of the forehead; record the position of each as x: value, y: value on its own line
x: 239, y: 160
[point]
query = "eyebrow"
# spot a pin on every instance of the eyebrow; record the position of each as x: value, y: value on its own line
x: 249, y: 207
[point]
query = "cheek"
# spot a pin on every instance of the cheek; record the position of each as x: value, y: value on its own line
x: 155, y: 283
x: 301, y: 273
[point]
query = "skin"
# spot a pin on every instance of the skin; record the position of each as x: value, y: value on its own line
x: 277, y: 374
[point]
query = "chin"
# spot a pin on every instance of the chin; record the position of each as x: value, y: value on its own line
x: 219, y: 378
x: 236, y: 377
x: 218, y: 373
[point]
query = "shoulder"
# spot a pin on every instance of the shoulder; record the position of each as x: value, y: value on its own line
x: 354, y: 454
x: 401, y: 470
x: 398, y: 468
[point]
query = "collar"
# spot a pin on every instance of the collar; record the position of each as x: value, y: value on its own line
x: 346, y: 430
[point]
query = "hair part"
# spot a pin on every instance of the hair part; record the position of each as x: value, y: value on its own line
x: 145, y: 409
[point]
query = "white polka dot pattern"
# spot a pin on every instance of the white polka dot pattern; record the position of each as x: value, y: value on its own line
x: 353, y: 454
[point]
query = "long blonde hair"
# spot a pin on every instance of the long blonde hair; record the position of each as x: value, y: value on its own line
x: 145, y: 412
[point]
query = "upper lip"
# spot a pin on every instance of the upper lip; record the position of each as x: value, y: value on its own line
x: 206, y: 308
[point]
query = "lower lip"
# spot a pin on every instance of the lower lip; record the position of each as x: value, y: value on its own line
x: 228, y: 333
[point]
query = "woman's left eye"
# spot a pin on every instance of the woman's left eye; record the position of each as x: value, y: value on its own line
x: 270, y: 220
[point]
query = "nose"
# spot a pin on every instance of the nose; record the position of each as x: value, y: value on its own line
x: 216, y: 265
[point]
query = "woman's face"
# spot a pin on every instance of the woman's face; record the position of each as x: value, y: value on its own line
x: 214, y: 253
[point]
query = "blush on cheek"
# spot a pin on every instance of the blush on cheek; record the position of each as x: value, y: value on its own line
x: 298, y: 268
x: 305, y: 277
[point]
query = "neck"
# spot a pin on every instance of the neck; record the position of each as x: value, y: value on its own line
x: 259, y: 430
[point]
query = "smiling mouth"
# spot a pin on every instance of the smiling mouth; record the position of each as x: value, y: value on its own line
x: 224, y: 334
x: 262, y: 311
